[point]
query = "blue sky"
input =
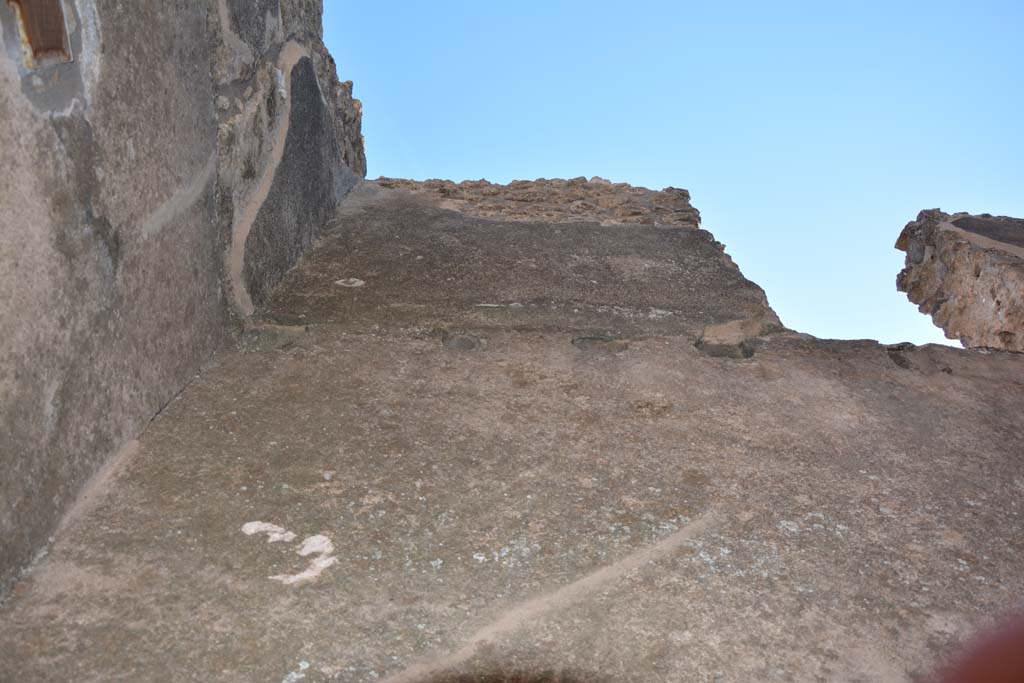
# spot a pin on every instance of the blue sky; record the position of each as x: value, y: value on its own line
x: 808, y: 133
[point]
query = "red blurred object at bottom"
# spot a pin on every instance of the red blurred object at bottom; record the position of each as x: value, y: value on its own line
x: 995, y: 657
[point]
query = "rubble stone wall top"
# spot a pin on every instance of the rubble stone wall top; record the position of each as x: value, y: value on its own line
x: 559, y: 201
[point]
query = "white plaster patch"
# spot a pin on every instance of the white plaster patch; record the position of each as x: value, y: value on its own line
x: 274, y: 532
x: 313, y: 571
x: 318, y: 545
x: 282, y: 91
x: 84, y: 18
x: 349, y: 282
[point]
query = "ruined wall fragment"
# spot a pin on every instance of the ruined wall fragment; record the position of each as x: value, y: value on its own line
x: 967, y: 272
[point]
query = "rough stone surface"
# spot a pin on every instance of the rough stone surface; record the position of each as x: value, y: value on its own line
x: 256, y: 22
x: 499, y: 494
x: 125, y: 173
x: 967, y: 272
x: 612, y: 280
x: 110, y: 272
x: 303, y: 19
x: 735, y: 339
x: 308, y: 183
x: 250, y: 35
x: 260, y: 47
x: 559, y: 201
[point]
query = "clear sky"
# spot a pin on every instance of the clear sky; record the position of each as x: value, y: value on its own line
x: 808, y: 133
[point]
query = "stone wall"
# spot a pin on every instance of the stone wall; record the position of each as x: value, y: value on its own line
x: 967, y: 272
x: 558, y: 200
x: 289, y: 133
x: 129, y: 173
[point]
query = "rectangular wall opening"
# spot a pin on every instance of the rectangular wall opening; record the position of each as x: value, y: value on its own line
x: 44, y: 33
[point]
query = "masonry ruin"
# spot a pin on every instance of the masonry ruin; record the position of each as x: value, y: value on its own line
x: 967, y: 272
x: 262, y: 419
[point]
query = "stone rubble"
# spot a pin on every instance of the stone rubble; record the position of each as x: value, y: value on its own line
x: 559, y: 201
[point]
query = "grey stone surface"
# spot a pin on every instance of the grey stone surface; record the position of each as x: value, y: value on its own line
x: 119, y: 196
x: 452, y: 446
x: 525, y: 500
x: 967, y: 272
x: 303, y: 20
x: 999, y: 228
x: 255, y: 21
x: 422, y: 264
x: 308, y: 184
x: 110, y: 274
x: 257, y: 46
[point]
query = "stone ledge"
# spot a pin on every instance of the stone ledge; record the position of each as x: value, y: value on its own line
x: 559, y: 201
